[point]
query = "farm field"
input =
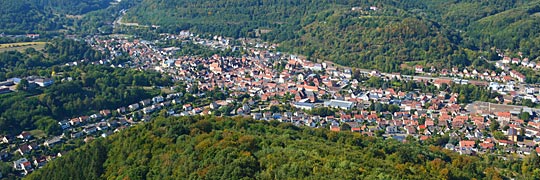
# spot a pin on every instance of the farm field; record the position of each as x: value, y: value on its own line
x: 22, y: 46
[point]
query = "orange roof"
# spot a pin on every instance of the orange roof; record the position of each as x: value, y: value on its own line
x: 466, y: 143
x: 487, y: 145
x: 504, y: 114
x: 335, y: 128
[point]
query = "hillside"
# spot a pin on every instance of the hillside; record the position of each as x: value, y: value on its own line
x: 237, y: 148
x: 503, y: 24
x: 91, y: 88
x: 351, y: 33
x: 43, y: 15
x: 381, y: 35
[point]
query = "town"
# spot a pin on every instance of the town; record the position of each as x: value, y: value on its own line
x: 265, y: 84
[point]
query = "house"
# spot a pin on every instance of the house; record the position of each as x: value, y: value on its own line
x: 32, y: 36
x: 146, y: 102
x: 26, y: 148
x: 74, y: 121
x: 90, y: 130
x: 64, y: 124
x: 148, y: 110
x: 515, y: 61
x: 102, y: 126
x: 6, y: 139
x: 487, y: 146
x: 419, y: 69
x: 158, y: 99
x: 44, y: 82
x: 375, y: 73
x: 105, y: 134
x: 84, y: 118
x: 439, y: 82
x: 506, y: 60
x: 214, y: 106
x: 504, y: 116
x: 51, y: 142
x: 410, y: 130
x: 505, y: 142
x: 199, y: 110
x: 466, y: 144
x: 19, y: 164
x: 105, y: 112
x: 520, y: 77
x: 25, y: 136
x: 77, y: 134
x: 512, y: 134
x: 335, y: 128
x: 121, y: 110
x: 41, y: 161
x: 187, y: 107
x: 133, y: 107
x: 392, y: 129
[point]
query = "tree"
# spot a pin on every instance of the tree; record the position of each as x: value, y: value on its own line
x: 499, y: 135
x: 494, y: 125
x: 23, y: 85
x: 345, y: 127
x: 525, y: 116
x: 274, y: 109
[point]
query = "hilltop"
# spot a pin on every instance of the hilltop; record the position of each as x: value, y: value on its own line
x: 240, y: 148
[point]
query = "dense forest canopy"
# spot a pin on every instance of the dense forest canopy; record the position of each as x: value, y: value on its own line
x: 30, y: 16
x: 239, y: 148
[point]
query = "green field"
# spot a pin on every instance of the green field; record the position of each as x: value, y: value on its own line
x: 22, y: 46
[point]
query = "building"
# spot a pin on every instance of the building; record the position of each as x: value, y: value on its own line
x: 346, y: 105
x: 304, y: 106
x: 44, y: 82
x: 51, y: 142
x: 133, y: 107
x: 23, y: 165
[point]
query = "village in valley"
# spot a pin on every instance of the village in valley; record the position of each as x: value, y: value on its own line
x: 258, y: 81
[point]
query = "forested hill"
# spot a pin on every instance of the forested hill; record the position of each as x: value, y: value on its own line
x: 24, y: 16
x: 370, y: 34
x: 504, y: 24
x: 238, y: 148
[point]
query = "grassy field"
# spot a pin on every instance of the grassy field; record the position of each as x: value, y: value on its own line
x: 22, y: 46
x: 38, y: 134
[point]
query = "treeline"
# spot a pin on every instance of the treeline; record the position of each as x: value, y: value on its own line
x: 239, y: 148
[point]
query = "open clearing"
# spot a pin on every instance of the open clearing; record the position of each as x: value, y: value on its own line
x: 22, y: 46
